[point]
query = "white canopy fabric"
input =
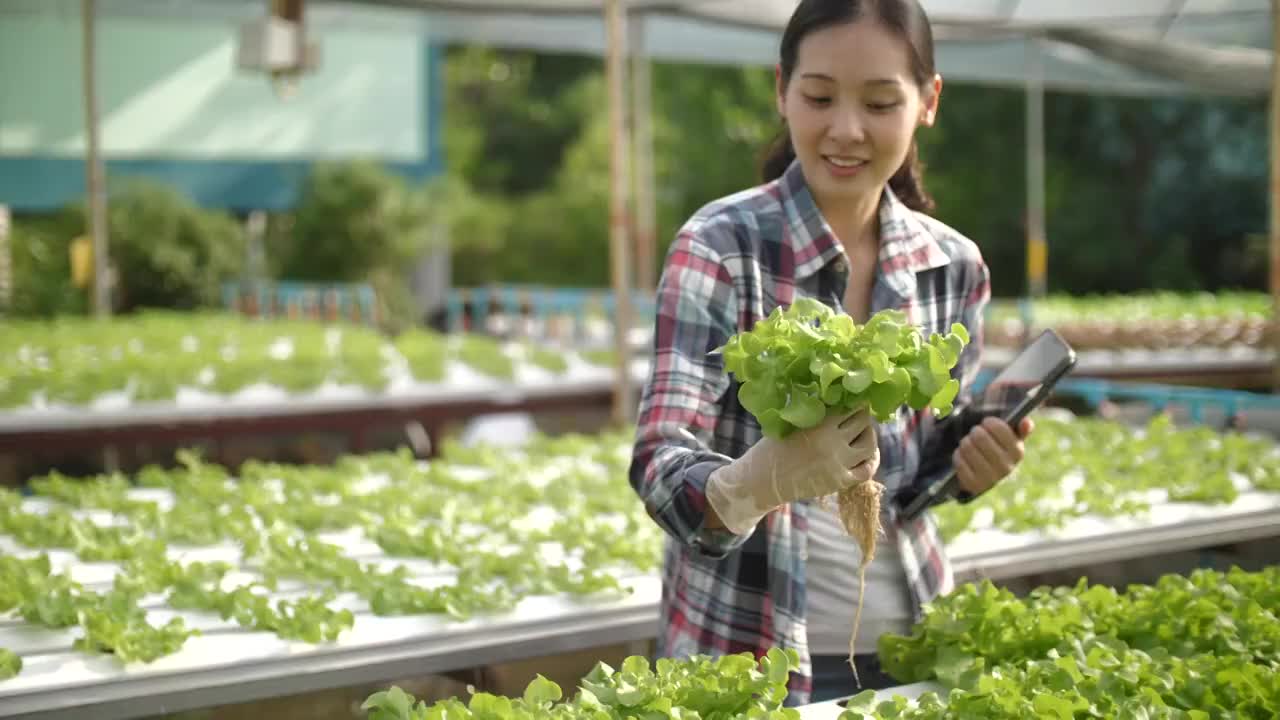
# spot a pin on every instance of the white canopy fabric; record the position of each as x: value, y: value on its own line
x: 1137, y: 47
x: 1208, y: 46
x: 1225, y: 70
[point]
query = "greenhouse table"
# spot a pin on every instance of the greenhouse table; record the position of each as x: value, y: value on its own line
x: 264, y: 411
x: 228, y: 664
x: 353, y: 412
x: 1204, y: 367
x: 1176, y: 527
x: 235, y: 666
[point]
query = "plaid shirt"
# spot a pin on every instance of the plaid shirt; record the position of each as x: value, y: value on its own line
x: 730, y: 265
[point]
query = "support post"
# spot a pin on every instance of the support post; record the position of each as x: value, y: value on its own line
x: 6, y: 262
x: 1274, y: 108
x: 619, y: 199
x: 1037, y: 244
x: 642, y: 111
x: 95, y: 181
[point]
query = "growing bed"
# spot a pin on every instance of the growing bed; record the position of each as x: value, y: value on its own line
x: 346, y: 527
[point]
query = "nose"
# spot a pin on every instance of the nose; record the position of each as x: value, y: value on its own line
x: 847, y: 126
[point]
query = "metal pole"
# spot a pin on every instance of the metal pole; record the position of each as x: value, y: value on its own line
x: 1275, y: 189
x: 94, y: 175
x: 619, y: 222
x: 1037, y: 246
x: 6, y: 262
x: 642, y: 111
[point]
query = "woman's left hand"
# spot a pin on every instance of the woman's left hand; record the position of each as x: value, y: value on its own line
x: 989, y: 453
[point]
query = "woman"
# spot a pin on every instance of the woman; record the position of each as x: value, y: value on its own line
x: 755, y: 560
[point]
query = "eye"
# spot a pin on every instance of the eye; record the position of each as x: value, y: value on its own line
x: 818, y: 100
x: 882, y: 107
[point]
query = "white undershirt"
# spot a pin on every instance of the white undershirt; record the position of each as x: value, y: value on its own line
x: 831, y: 582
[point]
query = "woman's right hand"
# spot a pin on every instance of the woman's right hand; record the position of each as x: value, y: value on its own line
x: 839, y: 452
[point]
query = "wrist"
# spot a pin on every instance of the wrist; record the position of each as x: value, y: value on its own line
x: 728, y: 507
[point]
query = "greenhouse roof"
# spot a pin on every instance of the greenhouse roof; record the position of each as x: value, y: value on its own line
x: 1097, y: 46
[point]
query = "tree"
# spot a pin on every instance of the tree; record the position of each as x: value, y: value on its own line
x: 167, y: 252
x: 1140, y: 193
x: 358, y: 222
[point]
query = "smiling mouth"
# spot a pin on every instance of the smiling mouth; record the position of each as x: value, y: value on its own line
x: 844, y: 162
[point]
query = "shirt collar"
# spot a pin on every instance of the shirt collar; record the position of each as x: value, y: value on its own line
x: 906, y: 245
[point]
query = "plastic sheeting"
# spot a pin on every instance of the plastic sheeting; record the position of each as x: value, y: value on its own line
x: 1099, y: 46
x: 1135, y: 46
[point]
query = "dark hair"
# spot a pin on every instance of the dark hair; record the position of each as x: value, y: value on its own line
x: 904, y: 18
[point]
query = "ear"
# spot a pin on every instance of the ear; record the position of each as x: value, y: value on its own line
x: 780, y: 92
x: 929, y: 108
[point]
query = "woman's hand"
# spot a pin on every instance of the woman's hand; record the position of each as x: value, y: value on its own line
x: 989, y: 453
x: 840, y: 452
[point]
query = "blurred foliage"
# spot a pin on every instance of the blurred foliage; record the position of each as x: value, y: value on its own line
x: 42, y: 272
x: 540, y: 162
x: 356, y: 221
x: 166, y: 252
x: 1156, y: 193
x: 352, y: 218
x: 1141, y: 193
x: 512, y: 118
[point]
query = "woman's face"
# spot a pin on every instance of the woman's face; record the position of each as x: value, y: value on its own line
x: 852, y: 107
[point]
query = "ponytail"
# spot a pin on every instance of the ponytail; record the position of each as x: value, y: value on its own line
x: 777, y: 156
x: 908, y: 183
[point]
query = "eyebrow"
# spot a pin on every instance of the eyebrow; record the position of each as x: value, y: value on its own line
x: 828, y: 78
